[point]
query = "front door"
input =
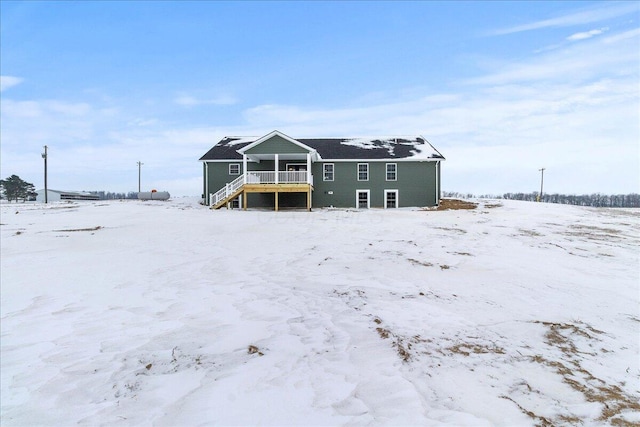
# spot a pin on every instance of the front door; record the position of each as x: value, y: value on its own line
x: 362, y: 199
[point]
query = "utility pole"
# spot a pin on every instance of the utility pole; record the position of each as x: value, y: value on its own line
x: 139, y: 166
x: 541, y: 183
x: 46, y: 191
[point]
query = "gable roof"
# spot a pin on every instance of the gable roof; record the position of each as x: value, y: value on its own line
x: 269, y: 136
x: 400, y: 147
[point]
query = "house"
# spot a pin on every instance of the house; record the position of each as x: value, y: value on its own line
x: 57, y: 195
x: 276, y: 171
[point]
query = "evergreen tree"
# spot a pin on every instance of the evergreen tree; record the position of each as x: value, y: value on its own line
x: 14, y: 188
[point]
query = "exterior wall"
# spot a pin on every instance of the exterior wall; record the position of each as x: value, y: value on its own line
x: 276, y: 144
x: 416, y: 184
x: 52, y: 196
x: 219, y: 176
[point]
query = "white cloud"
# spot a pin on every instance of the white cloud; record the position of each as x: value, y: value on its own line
x: 587, y: 34
x: 573, y: 110
x: 7, y: 82
x: 587, y: 16
x: 575, y: 62
x: 623, y: 36
x: 191, y: 101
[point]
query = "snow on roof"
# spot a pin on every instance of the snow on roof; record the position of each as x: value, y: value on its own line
x: 385, y: 147
x: 235, y: 140
x: 421, y: 147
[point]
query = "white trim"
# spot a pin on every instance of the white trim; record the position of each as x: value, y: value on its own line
x: 358, y: 172
x: 234, y: 164
x: 386, y: 172
x: 206, y: 184
x: 384, y: 200
x: 229, y: 161
x: 270, y: 135
x: 437, y: 190
x: 333, y: 172
x: 368, y: 198
x: 389, y: 159
x: 393, y: 159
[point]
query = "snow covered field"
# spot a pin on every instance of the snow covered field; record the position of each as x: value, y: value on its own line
x: 169, y: 314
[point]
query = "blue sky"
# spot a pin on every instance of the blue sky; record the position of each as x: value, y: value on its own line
x: 500, y: 88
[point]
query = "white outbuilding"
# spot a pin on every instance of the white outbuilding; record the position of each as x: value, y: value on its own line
x: 57, y: 195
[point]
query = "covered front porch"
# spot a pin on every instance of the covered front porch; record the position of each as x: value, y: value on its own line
x: 295, y: 178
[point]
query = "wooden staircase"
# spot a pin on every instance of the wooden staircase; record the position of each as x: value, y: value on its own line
x: 227, y: 193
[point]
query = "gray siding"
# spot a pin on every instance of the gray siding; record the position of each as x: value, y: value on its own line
x: 416, y: 184
x: 219, y: 175
x: 276, y: 144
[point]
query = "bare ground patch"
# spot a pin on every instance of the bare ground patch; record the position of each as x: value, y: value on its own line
x: 455, y: 204
x: 571, y: 339
x: 593, y: 233
x: 614, y: 400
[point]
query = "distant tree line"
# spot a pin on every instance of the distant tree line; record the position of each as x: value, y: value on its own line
x: 108, y: 195
x: 595, y: 200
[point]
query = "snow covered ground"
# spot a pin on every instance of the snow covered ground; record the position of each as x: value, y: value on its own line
x: 169, y: 314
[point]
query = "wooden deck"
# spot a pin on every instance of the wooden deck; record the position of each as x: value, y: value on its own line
x: 277, y: 188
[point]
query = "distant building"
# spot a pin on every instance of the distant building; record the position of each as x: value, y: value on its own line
x: 57, y: 195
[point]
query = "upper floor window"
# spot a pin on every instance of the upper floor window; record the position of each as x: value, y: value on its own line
x: 363, y: 171
x: 234, y: 169
x: 328, y: 172
x: 392, y: 171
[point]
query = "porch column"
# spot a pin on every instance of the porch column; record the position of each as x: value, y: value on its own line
x: 309, y: 199
x: 244, y: 167
x: 308, y: 168
x: 276, y: 193
x: 277, y: 166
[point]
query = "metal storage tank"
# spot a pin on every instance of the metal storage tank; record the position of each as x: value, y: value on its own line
x: 153, y: 195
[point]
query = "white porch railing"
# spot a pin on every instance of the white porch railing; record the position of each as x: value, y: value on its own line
x: 261, y: 177
x: 284, y: 177
x: 227, y: 190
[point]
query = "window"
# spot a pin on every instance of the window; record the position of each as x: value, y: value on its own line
x: 234, y: 169
x: 362, y: 199
x: 328, y: 172
x: 390, y: 199
x: 392, y: 169
x: 363, y: 171
x: 296, y: 167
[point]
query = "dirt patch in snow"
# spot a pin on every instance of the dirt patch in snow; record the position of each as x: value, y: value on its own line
x: 455, y: 204
x: 614, y: 400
